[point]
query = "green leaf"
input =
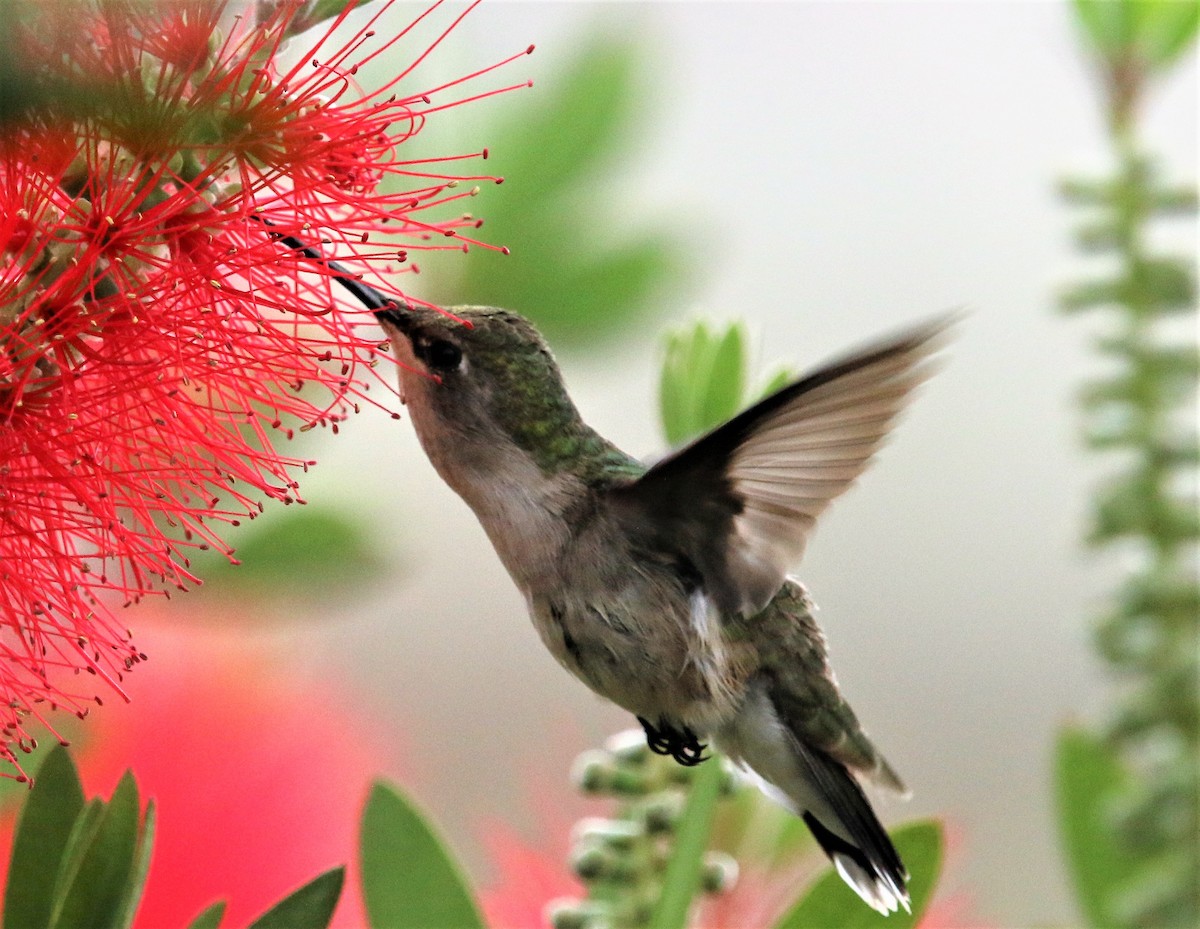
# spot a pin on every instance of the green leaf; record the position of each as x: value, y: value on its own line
x: 775, y: 382
x: 43, y: 829
x: 830, y: 904
x: 409, y: 879
x: 78, y: 842
x: 702, y: 379
x: 210, y: 918
x: 1088, y: 777
x: 310, y: 907
x: 673, y: 394
x: 1166, y: 28
x: 722, y: 395
x: 681, y: 881
x: 1109, y: 24
x: 1157, y: 32
x: 301, y: 551
x: 139, y: 872
x: 100, y: 868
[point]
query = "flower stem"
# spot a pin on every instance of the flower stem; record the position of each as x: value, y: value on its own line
x: 685, y: 869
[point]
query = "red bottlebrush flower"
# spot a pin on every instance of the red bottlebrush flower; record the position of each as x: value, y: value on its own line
x: 157, y: 322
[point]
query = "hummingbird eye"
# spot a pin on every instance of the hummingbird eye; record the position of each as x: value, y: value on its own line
x: 442, y: 355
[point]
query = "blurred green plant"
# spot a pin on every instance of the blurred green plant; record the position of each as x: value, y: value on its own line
x: 1129, y: 801
x: 703, y: 381
x: 303, y: 553
x: 560, y: 150
x: 80, y: 863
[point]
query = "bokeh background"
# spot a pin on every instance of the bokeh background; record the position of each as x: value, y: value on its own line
x: 824, y: 171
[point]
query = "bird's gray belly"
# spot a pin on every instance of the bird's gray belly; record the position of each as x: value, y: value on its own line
x: 653, y: 666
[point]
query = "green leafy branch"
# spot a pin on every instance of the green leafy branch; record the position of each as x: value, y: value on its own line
x: 1129, y: 799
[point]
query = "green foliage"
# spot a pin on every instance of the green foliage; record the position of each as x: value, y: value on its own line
x: 1089, y: 779
x: 1156, y: 32
x: 302, y: 552
x: 409, y: 879
x: 44, y: 826
x: 1130, y: 801
x: 557, y: 152
x: 830, y: 904
x: 210, y: 918
x: 82, y: 864
x: 104, y: 868
x: 77, y: 864
x: 703, y: 379
x: 1133, y: 39
x: 310, y: 907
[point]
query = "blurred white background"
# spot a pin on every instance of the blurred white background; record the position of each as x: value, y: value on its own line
x: 844, y: 168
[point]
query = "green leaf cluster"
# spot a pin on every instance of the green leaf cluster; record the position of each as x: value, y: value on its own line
x: 80, y: 863
x: 1130, y: 801
x: 703, y: 380
x: 77, y: 863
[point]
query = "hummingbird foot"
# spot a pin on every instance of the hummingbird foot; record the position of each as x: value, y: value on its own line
x: 680, y: 744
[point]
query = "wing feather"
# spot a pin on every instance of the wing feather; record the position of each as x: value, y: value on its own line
x: 740, y: 502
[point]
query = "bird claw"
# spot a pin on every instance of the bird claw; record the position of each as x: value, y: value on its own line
x: 682, y: 745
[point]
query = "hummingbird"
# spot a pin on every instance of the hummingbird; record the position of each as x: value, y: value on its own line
x: 665, y: 588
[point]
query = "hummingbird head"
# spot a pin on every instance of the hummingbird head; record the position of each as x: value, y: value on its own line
x: 480, y: 382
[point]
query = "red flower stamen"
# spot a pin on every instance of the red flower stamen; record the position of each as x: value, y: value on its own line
x: 156, y: 336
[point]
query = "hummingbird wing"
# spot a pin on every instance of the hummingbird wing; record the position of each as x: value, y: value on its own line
x: 740, y: 502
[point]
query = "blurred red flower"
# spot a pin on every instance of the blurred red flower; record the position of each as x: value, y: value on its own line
x: 527, y: 879
x: 156, y: 328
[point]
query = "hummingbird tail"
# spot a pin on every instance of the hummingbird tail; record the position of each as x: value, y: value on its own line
x: 852, y: 836
x: 825, y: 794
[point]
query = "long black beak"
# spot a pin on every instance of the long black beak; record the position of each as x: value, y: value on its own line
x: 385, y: 308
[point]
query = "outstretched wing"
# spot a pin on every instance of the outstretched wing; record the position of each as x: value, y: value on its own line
x: 740, y: 502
